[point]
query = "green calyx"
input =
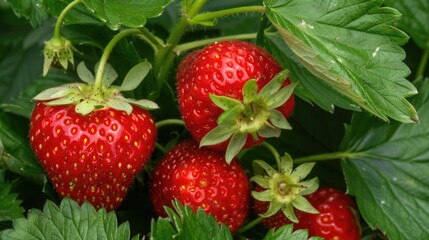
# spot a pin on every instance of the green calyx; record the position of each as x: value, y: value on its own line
x: 284, y: 189
x: 256, y: 115
x: 87, y: 99
x: 58, y: 52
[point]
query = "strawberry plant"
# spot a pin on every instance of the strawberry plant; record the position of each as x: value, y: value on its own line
x: 196, y: 119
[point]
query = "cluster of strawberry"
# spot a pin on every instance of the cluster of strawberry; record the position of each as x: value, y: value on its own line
x: 232, y: 95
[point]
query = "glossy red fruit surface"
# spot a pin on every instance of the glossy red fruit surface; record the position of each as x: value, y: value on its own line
x: 93, y: 157
x: 200, y: 178
x: 221, y: 69
x: 337, y: 219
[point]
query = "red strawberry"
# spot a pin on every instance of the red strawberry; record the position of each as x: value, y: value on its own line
x: 200, y: 178
x: 93, y: 157
x: 223, y: 69
x: 336, y: 221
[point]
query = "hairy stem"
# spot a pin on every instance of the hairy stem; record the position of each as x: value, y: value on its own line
x: 97, y: 92
x: 201, y: 43
x: 151, y: 39
x: 60, y: 19
x: 323, y: 157
x: 213, y: 15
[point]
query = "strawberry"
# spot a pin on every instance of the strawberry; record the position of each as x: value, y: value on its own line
x: 336, y: 220
x: 225, y: 99
x: 200, y: 178
x: 90, y: 140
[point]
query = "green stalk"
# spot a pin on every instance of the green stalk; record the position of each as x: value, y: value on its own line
x: 60, y: 19
x: 162, y: 65
x: 98, y: 85
x: 168, y: 122
x: 151, y: 39
x: 250, y: 225
x: 273, y: 151
x: 213, y: 15
x: 423, y: 63
x: 323, y: 157
x: 201, y: 43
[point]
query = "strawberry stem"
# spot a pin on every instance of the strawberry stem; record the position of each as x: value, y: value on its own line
x: 222, y: 13
x: 273, y: 151
x: 165, y: 57
x: 250, y: 225
x: 325, y: 157
x: 60, y: 19
x: 423, y: 63
x: 200, y: 43
x: 168, y: 122
x: 97, y: 93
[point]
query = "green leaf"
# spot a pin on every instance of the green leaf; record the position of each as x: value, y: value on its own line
x: 84, y: 73
x: 311, y: 88
x: 137, y: 12
x: 353, y: 46
x: 79, y: 14
x: 17, y: 155
x: 387, y: 171
x: 183, y: 224
x: 9, y: 206
x: 67, y: 221
x: 135, y: 76
x: 414, y: 19
x: 286, y: 232
x: 31, y: 10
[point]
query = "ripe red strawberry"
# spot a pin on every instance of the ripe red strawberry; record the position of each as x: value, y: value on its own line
x: 200, y: 178
x: 93, y: 157
x: 336, y: 221
x: 223, y: 69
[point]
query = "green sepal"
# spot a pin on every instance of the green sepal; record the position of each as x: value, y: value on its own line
x: 302, y: 171
x: 86, y: 106
x: 57, y: 50
x: 216, y: 136
x: 286, y: 164
x: 269, y: 132
x: 135, y: 76
x: 274, y: 85
x: 273, y: 208
x: 302, y: 204
x: 109, y: 74
x: 289, y: 213
x: 225, y: 103
x: 310, y: 186
x: 263, y: 196
x: 261, y: 181
x: 250, y: 90
x: 69, y: 99
x: 143, y: 103
x: 85, y: 74
x: 230, y: 116
x: 278, y: 120
x: 56, y: 92
x: 268, y: 169
x: 236, y: 143
x: 119, y: 104
x: 280, y: 97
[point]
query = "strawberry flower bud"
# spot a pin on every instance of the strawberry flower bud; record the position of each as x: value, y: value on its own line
x: 57, y: 52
